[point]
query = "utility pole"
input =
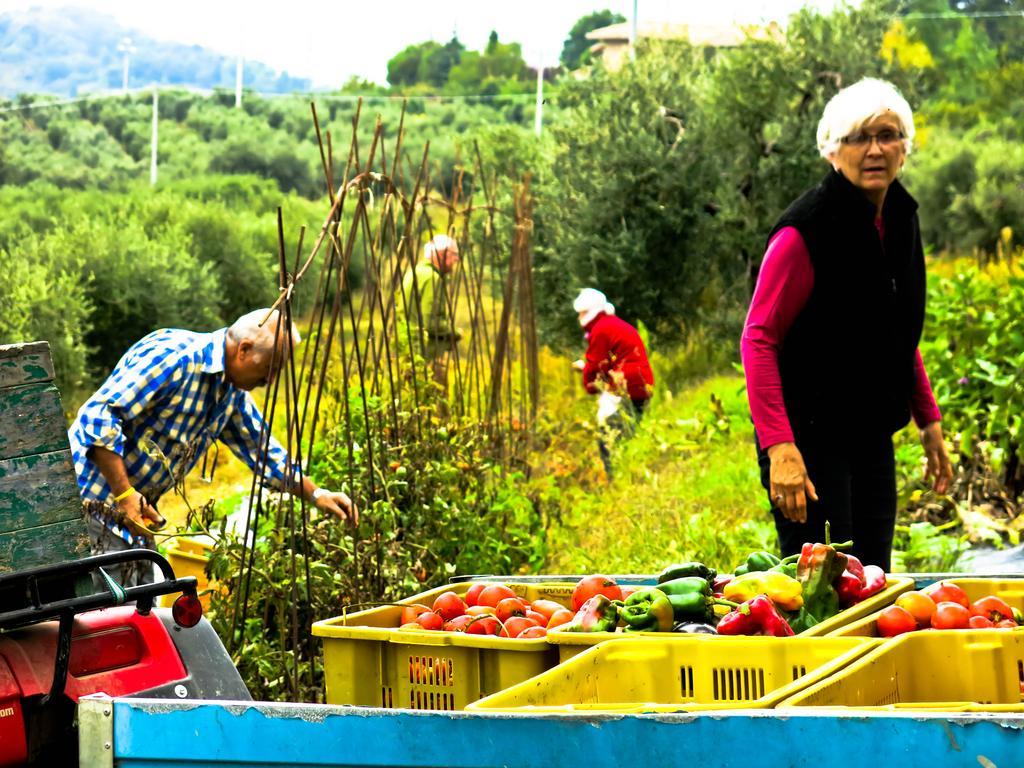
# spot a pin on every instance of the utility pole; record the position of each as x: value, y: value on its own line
x: 538, y: 114
x: 152, y: 142
x: 238, y: 82
x: 127, y: 49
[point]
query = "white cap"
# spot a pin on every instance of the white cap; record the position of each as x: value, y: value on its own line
x: 442, y: 252
x: 592, y: 302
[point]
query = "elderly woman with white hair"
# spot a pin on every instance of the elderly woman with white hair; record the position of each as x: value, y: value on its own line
x: 616, y: 369
x: 172, y: 395
x: 830, y: 344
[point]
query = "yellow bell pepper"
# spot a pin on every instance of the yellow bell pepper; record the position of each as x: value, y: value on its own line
x: 785, y: 591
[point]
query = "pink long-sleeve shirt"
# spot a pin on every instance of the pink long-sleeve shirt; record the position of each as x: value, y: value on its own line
x: 784, y: 285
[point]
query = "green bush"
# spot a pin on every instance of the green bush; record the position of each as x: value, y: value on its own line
x: 134, y: 282
x: 975, y: 354
x: 43, y: 298
x: 969, y: 188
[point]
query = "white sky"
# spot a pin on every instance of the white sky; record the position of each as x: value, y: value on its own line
x: 329, y: 42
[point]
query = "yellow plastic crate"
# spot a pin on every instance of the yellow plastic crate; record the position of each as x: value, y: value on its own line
x: 954, y: 670
x: 680, y: 673
x: 369, y: 662
x: 188, y: 557
x: 1010, y: 590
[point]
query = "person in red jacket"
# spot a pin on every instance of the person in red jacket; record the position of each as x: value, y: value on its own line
x: 616, y: 369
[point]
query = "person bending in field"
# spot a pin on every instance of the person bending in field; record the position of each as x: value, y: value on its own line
x: 171, y: 396
x: 830, y: 344
x: 615, y: 368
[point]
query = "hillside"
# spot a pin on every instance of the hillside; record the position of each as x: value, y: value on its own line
x: 71, y: 51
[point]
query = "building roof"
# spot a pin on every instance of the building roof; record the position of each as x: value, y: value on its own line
x: 714, y: 35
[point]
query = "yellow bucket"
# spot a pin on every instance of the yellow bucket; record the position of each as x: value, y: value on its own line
x: 188, y: 557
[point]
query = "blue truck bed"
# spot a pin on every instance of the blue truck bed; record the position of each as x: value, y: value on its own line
x: 140, y: 733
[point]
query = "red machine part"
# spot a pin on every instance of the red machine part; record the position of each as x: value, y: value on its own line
x: 116, y: 651
x: 13, y: 746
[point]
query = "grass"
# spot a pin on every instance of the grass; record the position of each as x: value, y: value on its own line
x: 685, y: 487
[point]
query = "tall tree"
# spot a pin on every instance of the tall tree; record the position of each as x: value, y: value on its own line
x: 576, y: 46
x: 438, y: 63
x: 666, y: 176
x: 406, y: 66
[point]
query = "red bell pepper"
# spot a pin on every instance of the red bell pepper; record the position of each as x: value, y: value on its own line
x: 874, y: 581
x: 856, y: 567
x: 848, y: 588
x: 757, y: 616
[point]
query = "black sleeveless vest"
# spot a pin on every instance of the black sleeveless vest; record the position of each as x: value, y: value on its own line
x: 847, y: 362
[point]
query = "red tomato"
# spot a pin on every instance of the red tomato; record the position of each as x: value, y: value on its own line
x: 895, y: 621
x: 493, y: 594
x: 589, y: 586
x: 540, y: 618
x: 430, y: 620
x: 1006, y: 624
x: 546, y: 607
x: 515, y: 625
x: 980, y: 622
x: 532, y: 632
x: 950, y: 615
x: 458, y: 624
x: 473, y: 593
x: 509, y: 607
x: 410, y: 612
x: 449, y: 605
x: 560, y: 617
x: 483, y: 625
x: 948, y: 592
x: 992, y: 608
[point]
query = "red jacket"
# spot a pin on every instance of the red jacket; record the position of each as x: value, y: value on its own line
x: 616, y: 356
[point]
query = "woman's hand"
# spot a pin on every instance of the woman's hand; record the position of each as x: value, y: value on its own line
x: 790, y: 486
x: 939, y: 470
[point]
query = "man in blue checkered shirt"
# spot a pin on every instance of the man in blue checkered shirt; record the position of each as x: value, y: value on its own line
x: 171, y: 396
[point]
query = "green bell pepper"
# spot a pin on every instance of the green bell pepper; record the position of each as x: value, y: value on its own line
x: 756, y: 561
x: 818, y: 569
x: 648, y: 610
x: 682, y: 570
x: 787, y: 566
x: 691, y: 598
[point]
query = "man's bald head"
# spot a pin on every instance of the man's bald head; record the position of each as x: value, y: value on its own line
x: 249, y: 354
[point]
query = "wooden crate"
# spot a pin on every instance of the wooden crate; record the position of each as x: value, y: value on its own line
x: 41, y: 519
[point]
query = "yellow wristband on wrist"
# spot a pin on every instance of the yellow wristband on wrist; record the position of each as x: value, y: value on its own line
x: 124, y: 494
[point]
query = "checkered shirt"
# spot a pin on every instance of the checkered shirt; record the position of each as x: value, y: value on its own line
x: 164, y: 404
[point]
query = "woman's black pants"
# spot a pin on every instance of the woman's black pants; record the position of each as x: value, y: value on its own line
x: 855, y: 479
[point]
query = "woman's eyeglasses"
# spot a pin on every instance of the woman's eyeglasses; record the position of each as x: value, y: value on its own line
x: 885, y: 138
